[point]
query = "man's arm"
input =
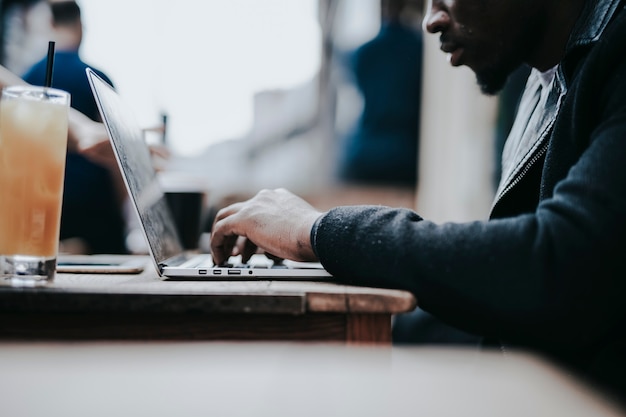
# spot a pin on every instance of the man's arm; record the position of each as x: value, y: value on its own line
x: 552, y: 278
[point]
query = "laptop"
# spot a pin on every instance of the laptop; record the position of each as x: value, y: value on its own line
x: 157, y: 223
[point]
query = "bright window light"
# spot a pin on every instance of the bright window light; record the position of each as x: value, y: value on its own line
x: 201, y: 62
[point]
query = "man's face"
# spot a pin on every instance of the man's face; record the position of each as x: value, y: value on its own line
x: 492, y: 37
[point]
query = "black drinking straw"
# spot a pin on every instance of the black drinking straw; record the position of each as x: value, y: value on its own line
x: 50, y: 64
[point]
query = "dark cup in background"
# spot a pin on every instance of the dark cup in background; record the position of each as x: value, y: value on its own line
x: 187, y: 210
x: 186, y: 195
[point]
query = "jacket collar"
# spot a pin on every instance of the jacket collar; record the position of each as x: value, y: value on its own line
x: 594, y: 18
x: 526, y: 143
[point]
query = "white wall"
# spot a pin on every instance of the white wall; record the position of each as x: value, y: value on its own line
x: 457, y: 142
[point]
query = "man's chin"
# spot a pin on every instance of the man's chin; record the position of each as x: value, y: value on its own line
x: 490, y: 87
x: 492, y: 81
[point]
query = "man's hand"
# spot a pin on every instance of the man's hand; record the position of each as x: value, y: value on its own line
x: 277, y: 222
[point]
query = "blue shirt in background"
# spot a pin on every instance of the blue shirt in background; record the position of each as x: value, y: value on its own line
x: 69, y: 75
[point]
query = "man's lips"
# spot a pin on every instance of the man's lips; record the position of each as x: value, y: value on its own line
x: 454, y: 52
x: 448, y: 47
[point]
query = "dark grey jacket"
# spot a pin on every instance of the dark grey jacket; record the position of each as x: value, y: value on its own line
x: 547, y: 271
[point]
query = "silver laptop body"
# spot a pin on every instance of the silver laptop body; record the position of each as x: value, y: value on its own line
x: 133, y: 157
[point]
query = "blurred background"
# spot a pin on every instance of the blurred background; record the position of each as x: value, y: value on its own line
x: 251, y: 94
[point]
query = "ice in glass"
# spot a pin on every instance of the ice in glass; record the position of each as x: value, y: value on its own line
x: 33, y: 142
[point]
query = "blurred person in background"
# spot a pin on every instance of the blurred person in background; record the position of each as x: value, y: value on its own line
x: 92, y: 201
x: 382, y: 147
x: 69, y: 68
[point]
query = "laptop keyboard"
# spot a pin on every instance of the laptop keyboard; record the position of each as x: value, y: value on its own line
x: 257, y: 262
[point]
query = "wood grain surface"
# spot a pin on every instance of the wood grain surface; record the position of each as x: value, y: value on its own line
x: 147, y: 306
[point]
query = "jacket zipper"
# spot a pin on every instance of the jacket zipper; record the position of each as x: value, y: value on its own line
x: 536, y: 157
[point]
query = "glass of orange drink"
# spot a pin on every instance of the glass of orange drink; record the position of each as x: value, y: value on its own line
x: 33, y: 145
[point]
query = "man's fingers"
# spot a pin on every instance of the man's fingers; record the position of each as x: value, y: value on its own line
x: 247, y: 250
x: 227, y: 212
x: 277, y: 260
x: 223, y: 241
x: 223, y: 236
x: 223, y: 248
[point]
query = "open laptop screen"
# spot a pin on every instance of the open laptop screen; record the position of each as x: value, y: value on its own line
x: 135, y: 162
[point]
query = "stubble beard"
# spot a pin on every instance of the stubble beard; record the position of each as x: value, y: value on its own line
x: 492, y: 80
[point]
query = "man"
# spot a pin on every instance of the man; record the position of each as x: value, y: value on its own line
x: 546, y: 271
x: 92, y: 198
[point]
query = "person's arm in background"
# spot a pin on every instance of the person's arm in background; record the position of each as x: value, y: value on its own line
x: 84, y: 135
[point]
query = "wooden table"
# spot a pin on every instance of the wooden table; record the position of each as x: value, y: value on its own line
x: 283, y: 379
x: 147, y: 307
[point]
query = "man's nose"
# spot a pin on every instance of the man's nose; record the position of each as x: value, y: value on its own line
x: 436, y: 19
